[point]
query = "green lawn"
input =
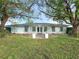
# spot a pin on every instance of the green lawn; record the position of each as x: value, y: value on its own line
x: 24, y: 47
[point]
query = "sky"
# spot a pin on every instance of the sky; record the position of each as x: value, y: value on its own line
x: 36, y: 9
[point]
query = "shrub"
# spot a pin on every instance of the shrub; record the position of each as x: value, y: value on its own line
x: 3, y: 33
x: 69, y: 31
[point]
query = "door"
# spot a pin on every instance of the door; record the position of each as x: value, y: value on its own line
x: 39, y: 29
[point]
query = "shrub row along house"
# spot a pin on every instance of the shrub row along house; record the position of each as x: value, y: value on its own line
x: 21, y: 25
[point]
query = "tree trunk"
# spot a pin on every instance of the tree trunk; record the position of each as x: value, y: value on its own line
x: 5, y: 16
x: 3, y: 21
x: 74, y: 30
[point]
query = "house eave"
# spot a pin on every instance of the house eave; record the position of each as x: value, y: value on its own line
x: 34, y: 24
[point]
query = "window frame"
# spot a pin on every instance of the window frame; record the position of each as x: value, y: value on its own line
x: 45, y: 29
x: 26, y: 28
x: 34, y: 29
x: 61, y: 29
x: 53, y: 28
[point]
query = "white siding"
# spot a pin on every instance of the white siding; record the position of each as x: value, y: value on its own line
x: 49, y: 30
x: 58, y: 30
x: 17, y: 29
x: 29, y: 29
x: 64, y: 29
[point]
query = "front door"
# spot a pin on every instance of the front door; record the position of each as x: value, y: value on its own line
x: 39, y: 29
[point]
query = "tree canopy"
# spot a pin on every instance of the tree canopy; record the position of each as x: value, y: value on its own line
x: 64, y: 10
x: 10, y: 8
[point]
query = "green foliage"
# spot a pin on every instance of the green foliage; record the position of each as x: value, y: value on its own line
x: 3, y: 33
x: 12, y: 5
x: 60, y: 9
x: 69, y: 31
x: 63, y: 10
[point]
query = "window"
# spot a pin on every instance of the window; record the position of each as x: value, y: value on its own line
x: 61, y: 29
x: 26, y: 29
x: 45, y: 29
x: 33, y: 29
x: 53, y: 29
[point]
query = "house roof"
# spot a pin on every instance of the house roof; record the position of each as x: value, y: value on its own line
x: 24, y: 20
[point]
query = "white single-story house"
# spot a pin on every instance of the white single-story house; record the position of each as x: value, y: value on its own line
x: 24, y: 26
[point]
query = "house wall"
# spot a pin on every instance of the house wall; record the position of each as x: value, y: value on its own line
x: 49, y: 29
x: 17, y: 29
x: 29, y: 29
x: 57, y: 30
x: 64, y: 29
x: 21, y: 29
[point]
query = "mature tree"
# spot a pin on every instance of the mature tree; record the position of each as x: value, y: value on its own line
x: 64, y: 10
x: 10, y: 8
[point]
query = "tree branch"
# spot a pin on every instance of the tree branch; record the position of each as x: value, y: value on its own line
x: 22, y: 14
x: 47, y: 13
x: 50, y: 5
x: 55, y: 16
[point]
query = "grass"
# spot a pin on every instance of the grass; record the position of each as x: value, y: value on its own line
x: 24, y: 47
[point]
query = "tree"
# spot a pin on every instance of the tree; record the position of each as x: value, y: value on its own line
x: 10, y: 8
x: 64, y: 10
